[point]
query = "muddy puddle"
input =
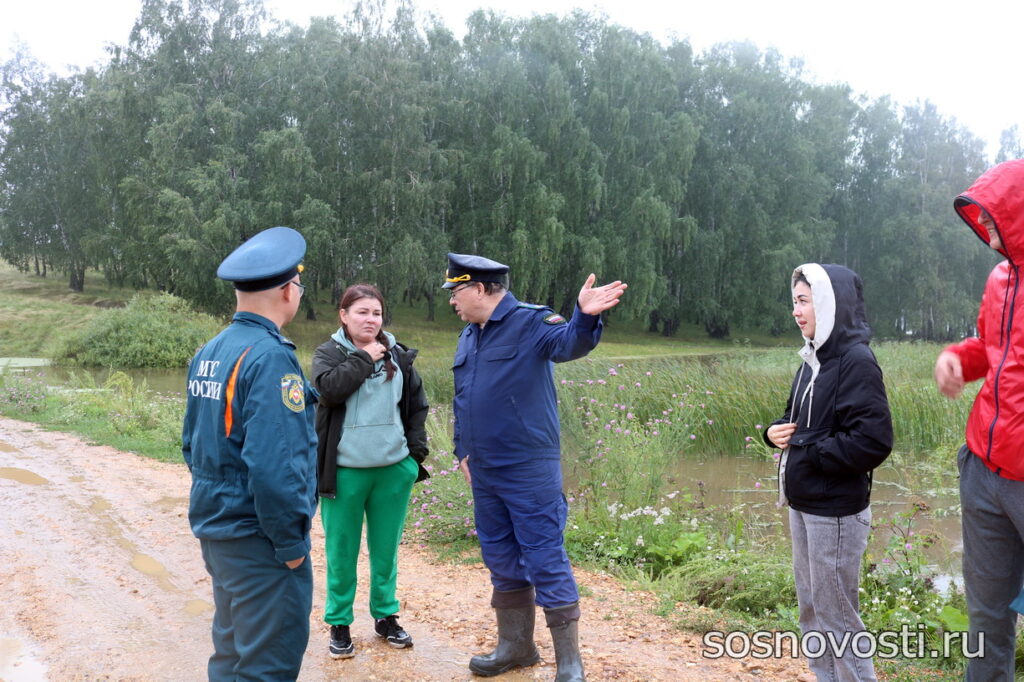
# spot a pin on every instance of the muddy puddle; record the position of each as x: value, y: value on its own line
x: 17, y: 663
x: 22, y: 476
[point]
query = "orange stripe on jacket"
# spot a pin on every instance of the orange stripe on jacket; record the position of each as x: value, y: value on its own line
x: 228, y: 417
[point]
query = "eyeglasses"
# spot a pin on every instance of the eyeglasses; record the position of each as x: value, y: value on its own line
x: 302, y: 287
x: 455, y: 290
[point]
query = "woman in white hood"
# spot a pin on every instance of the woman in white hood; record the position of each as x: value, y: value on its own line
x: 836, y: 429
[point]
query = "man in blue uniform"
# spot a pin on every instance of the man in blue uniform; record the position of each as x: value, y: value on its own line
x: 249, y: 442
x: 506, y: 440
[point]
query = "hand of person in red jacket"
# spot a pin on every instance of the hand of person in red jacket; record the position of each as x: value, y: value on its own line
x: 949, y: 374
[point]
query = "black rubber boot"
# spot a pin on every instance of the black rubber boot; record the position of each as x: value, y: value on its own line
x: 515, y: 613
x: 565, y: 637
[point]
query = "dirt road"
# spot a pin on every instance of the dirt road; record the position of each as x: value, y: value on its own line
x: 101, y: 579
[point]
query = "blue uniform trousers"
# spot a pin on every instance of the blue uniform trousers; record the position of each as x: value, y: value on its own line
x: 520, y: 514
x: 261, y: 621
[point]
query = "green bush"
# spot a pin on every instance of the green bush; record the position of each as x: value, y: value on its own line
x: 152, y: 331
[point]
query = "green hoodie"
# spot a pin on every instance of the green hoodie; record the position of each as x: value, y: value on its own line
x: 373, y: 434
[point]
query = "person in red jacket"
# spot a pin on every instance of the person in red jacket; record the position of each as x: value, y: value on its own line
x: 991, y: 463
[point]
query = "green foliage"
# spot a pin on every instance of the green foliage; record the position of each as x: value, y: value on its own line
x: 745, y: 580
x: 900, y: 587
x: 21, y: 393
x: 441, y: 507
x: 152, y: 331
x: 561, y: 145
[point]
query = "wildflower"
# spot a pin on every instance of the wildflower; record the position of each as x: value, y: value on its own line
x: 648, y: 373
x: 693, y: 437
x: 612, y: 372
x: 757, y: 484
x: 639, y: 540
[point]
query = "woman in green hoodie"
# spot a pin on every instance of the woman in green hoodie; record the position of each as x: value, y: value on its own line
x: 370, y: 422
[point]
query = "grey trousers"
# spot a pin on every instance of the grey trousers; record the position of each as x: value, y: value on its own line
x: 992, y: 519
x: 827, y: 551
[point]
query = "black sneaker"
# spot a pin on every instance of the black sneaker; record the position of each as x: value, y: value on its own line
x: 390, y: 629
x: 341, y: 642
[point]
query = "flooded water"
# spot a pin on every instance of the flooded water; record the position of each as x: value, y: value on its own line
x: 158, y: 380
x: 748, y: 486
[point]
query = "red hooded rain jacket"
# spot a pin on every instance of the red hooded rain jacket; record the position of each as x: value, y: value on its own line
x: 995, y: 427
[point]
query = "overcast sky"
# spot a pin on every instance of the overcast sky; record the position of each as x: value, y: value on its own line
x: 965, y: 57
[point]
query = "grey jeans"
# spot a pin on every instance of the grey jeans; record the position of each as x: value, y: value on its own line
x: 992, y: 520
x: 827, y: 551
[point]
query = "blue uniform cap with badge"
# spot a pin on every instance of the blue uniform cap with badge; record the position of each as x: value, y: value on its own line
x: 268, y: 259
x: 466, y: 268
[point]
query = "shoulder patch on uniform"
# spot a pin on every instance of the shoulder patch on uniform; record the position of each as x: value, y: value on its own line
x: 531, y: 306
x: 293, y: 394
x: 554, y: 318
x: 285, y: 341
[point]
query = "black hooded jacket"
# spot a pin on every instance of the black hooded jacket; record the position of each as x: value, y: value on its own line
x: 844, y: 427
x: 336, y: 375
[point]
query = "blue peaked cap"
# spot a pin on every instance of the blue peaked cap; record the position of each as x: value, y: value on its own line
x: 265, y: 260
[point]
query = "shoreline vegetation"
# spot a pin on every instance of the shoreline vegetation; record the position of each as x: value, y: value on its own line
x: 632, y: 413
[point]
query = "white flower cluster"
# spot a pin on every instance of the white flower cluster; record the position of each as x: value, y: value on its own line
x: 658, y: 515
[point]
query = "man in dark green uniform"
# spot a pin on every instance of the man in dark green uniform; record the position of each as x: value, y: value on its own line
x: 249, y: 442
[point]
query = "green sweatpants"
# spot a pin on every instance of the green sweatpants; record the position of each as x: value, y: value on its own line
x: 382, y: 495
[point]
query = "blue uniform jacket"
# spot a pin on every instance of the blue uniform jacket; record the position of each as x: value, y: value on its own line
x: 505, y: 405
x: 248, y: 439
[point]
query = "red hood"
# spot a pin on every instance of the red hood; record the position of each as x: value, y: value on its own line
x: 1000, y: 191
